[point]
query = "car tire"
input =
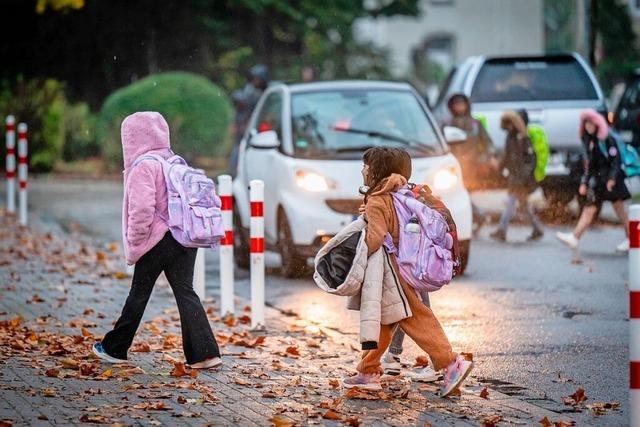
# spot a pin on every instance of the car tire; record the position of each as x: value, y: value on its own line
x: 465, y: 247
x: 240, y: 245
x: 293, y: 266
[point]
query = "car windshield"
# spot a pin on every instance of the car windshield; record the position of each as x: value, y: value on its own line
x: 548, y: 79
x: 344, y: 123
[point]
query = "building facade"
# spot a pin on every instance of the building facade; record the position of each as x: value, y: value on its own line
x: 426, y: 47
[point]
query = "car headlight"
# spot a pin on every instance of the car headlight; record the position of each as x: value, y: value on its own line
x: 445, y: 179
x: 311, y: 181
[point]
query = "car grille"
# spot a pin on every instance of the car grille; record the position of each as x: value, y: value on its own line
x: 345, y: 206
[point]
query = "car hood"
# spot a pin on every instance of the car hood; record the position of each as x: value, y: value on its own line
x: 346, y: 175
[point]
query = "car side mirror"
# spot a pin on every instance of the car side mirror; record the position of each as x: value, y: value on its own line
x: 454, y: 135
x: 266, y: 139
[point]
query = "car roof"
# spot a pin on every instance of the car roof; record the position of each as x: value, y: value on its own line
x: 516, y: 57
x: 345, y: 84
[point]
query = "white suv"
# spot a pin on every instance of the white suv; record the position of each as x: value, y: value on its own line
x: 305, y: 141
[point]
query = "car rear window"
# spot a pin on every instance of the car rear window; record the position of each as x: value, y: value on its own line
x: 532, y: 79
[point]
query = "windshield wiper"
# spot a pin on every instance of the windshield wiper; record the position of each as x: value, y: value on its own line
x: 389, y: 137
x: 358, y: 148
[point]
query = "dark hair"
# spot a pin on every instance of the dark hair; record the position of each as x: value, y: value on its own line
x: 458, y: 97
x: 384, y: 161
x: 525, y: 116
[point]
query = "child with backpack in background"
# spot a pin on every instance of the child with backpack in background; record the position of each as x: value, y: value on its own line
x: 386, y: 171
x: 603, y: 178
x: 519, y: 163
x: 539, y: 144
x: 476, y: 155
x: 150, y: 245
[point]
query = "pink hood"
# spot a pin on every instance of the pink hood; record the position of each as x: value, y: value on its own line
x: 142, y: 132
x: 596, y: 118
x: 144, y: 208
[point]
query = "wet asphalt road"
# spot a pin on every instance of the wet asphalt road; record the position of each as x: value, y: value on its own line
x: 535, y: 316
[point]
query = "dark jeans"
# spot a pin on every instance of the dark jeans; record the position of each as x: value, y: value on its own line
x: 177, y: 262
x: 398, y: 336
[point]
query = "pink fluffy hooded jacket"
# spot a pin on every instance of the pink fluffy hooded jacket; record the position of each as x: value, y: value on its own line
x: 144, y: 208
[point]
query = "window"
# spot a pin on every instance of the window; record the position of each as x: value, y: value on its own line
x: 634, y: 5
x: 631, y: 97
x: 342, y: 124
x: 270, y: 117
x: 532, y: 79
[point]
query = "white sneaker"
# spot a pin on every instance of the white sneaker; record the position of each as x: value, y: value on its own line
x: 568, y: 239
x: 99, y: 352
x: 425, y: 375
x: 624, y: 246
x: 207, y: 364
x: 391, y: 364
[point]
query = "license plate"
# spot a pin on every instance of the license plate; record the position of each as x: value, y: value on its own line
x: 557, y: 164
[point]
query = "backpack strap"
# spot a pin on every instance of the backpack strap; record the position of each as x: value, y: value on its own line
x: 157, y: 157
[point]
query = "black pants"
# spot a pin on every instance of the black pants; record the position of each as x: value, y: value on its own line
x: 177, y: 262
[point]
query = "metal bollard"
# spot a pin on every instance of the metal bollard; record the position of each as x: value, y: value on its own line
x: 22, y: 174
x: 11, y: 163
x: 226, y: 247
x: 199, y: 274
x: 634, y: 314
x: 256, y: 196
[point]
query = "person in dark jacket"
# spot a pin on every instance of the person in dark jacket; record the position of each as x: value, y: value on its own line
x: 603, y: 178
x: 244, y: 101
x: 519, y: 163
x: 476, y: 153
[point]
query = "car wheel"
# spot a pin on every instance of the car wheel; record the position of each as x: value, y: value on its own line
x: 292, y: 264
x: 240, y: 246
x: 465, y: 247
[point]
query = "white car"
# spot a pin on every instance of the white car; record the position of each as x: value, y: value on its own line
x: 305, y: 141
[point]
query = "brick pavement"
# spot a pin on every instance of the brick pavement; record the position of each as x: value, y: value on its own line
x: 67, y: 292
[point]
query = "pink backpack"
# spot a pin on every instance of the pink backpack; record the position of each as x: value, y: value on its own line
x: 195, y: 219
x: 424, y: 254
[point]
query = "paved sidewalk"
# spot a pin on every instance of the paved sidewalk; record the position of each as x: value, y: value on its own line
x: 59, y: 294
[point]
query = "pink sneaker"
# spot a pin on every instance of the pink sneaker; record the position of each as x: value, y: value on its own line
x: 363, y: 381
x: 454, y: 374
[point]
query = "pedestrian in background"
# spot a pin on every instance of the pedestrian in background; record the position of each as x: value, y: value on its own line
x: 476, y: 155
x: 244, y: 101
x: 149, y: 245
x: 518, y: 163
x: 603, y: 178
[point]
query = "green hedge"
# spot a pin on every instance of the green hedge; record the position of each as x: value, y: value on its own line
x: 198, y: 113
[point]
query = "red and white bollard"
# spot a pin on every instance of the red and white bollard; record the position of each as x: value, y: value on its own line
x: 634, y: 314
x: 256, y: 248
x: 11, y: 164
x: 22, y: 173
x: 226, y: 246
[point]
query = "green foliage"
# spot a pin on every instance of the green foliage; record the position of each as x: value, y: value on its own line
x: 198, y: 113
x: 559, y: 20
x: 41, y: 103
x: 288, y: 36
x: 619, y: 41
x: 80, y: 133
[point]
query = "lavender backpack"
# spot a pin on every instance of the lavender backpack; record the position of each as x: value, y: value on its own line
x: 424, y: 254
x: 195, y: 220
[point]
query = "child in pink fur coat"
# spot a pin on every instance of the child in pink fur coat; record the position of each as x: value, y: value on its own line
x: 150, y: 246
